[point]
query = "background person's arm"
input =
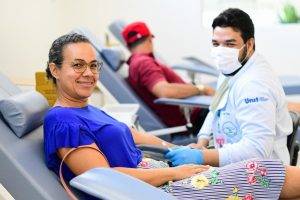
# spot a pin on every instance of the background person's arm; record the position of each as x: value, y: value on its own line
x: 179, y: 90
x: 293, y: 106
x: 152, y: 76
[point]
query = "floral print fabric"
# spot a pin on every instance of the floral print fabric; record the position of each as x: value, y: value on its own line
x: 247, y: 180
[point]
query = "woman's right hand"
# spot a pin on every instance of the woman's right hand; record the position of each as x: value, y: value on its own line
x: 186, y: 171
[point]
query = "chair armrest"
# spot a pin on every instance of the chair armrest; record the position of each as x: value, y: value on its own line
x: 195, y: 68
x: 109, y: 184
x: 154, y: 152
x: 198, y: 61
x: 168, y: 131
x: 153, y: 148
x: 194, y: 101
x: 290, y: 84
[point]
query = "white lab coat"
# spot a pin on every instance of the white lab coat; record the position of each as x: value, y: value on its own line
x: 252, y: 119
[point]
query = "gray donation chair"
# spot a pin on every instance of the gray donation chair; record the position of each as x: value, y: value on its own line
x: 22, y: 169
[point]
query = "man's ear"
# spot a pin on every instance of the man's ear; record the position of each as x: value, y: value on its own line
x: 251, y: 43
x: 54, y: 70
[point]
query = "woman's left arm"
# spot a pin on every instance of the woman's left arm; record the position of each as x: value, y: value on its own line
x: 146, y: 138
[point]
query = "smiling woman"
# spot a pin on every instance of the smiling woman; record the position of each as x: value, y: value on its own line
x: 71, y: 122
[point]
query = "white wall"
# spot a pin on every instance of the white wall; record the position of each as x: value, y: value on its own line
x: 280, y: 45
x: 29, y: 27
x: 26, y: 29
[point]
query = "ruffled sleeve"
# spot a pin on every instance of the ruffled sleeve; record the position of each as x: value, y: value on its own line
x: 63, y: 135
x: 67, y: 135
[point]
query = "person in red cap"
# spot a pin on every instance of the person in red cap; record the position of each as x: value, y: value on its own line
x: 151, y: 79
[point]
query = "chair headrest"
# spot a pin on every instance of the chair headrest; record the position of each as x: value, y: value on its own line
x: 24, y: 112
x: 115, y: 57
x: 116, y: 28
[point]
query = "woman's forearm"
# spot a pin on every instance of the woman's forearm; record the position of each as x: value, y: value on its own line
x: 157, y: 177
x: 149, y: 175
x: 145, y: 138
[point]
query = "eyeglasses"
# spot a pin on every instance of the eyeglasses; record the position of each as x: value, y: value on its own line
x: 80, y: 66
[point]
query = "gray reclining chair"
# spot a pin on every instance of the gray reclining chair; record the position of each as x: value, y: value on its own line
x: 22, y: 169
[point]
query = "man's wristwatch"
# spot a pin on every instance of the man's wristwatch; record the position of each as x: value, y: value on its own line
x: 201, y: 88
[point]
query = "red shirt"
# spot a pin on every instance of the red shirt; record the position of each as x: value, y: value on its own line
x: 144, y: 73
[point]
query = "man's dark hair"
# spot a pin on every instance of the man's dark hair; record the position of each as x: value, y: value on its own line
x: 236, y: 19
x: 57, y: 47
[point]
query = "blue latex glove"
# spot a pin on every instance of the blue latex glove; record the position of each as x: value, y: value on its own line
x: 184, y: 155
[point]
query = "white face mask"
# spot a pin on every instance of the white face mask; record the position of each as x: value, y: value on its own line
x: 226, y: 59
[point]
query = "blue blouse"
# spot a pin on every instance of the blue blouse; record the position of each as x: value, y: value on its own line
x: 73, y: 127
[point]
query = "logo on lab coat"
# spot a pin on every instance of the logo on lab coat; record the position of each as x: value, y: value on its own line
x: 229, y: 129
x: 255, y: 100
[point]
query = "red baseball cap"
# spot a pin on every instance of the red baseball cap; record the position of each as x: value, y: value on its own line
x: 134, y: 31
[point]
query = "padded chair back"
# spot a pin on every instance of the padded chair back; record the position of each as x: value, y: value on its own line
x: 116, y: 28
x: 119, y: 87
x: 22, y: 169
